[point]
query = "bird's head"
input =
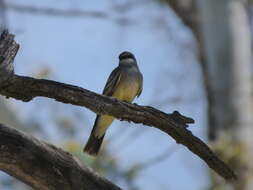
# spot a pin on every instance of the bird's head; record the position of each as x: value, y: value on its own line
x: 127, y: 58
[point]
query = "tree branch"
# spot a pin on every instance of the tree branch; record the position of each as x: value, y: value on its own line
x: 27, y: 88
x: 56, y: 12
x: 71, y: 13
x: 44, y: 166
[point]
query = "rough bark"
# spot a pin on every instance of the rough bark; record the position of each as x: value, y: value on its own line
x: 7, y: 115
x: 44, y: 166
x: 27, y: 88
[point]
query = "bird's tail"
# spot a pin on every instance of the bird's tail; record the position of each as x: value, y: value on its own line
x: 94, y: 143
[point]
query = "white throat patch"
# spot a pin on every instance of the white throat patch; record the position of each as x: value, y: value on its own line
x: 128, y: 61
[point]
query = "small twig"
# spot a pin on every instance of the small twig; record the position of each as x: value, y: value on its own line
x: 159, y: 158
x: 27, y: 9
x: 57, y: 12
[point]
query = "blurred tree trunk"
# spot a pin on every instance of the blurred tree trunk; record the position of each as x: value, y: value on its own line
x: 2, y: 15
x: 188, y: 12
x: 222, y: 31
x: 227, y: 40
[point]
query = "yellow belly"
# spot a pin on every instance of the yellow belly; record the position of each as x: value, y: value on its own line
x: 124, y: 92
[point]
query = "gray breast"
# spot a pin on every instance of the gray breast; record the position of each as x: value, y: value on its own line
x: 131, y: 74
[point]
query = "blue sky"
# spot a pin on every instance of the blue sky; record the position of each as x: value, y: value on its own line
x: 83, y: 51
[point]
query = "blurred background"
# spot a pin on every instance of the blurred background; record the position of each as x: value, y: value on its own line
x: 195, y: 57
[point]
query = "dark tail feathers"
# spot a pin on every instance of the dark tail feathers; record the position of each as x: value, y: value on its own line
x: 93, y: 145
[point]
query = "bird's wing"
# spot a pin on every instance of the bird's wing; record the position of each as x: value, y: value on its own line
x: 141, y: 85
x: 112, y: 81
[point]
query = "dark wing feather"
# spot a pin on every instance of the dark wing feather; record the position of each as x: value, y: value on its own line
x: 112, y: 81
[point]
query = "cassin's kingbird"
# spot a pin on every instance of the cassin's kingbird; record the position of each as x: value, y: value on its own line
x: 124, y: 83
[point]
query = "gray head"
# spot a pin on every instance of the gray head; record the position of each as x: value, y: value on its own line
x: 127, y: 59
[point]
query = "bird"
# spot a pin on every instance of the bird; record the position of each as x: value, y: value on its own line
x: 124, y: 83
